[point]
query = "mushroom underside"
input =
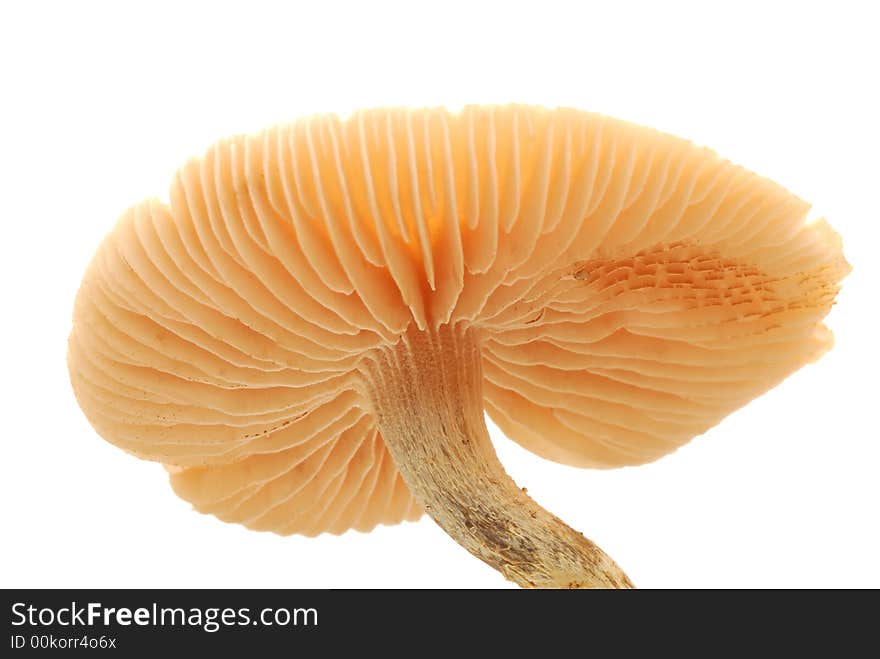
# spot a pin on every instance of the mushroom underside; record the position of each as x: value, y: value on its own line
x: 606, y: 293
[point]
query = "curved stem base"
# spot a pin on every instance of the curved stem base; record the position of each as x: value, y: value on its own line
x: 428, y: 402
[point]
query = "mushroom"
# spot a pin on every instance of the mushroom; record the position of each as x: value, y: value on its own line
x: 308, y: 334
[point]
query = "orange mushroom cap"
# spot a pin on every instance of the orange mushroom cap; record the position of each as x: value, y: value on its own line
x: 630, y: 290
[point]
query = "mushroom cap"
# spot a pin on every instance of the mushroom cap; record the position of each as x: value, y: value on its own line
x: 631, y: 289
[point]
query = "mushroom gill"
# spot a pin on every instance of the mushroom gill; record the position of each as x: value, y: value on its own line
x: 309, y: 333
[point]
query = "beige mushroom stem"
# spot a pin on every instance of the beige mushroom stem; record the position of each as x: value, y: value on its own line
x: 427, y: 394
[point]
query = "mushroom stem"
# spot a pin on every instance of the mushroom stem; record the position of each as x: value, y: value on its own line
x: 427, y: 394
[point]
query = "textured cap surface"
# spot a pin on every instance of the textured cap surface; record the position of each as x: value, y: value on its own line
x: 630, y: 290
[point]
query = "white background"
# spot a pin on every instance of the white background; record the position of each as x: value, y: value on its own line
x: 101, y: 102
